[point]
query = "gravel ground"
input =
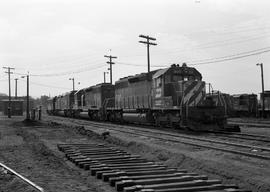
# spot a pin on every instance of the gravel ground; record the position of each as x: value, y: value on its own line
x: 31, y: 151
x: 248, y: 173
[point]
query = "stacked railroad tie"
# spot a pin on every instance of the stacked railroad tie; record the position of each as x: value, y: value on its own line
x: 130, y: 173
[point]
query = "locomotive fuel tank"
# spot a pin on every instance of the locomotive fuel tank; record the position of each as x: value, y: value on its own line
x: 135, y: 117
x: 84, y: 115
x: 61, y: 113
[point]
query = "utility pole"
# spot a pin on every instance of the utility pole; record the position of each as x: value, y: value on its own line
x: 16, y: 80
x: 73, y: 85
x: 209, y: 86
x: 148, y: 43
x: 27, y: 104
x: 27, y: 97
x: 104, y: 76
x: 9, y: 90
x: 111, y: 63
x: 261, y: 65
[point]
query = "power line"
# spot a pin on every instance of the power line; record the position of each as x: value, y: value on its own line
x: 215, y: 60
x: 233, y: 55
x: 49, y: 86
x: 65, y: 73
x: 229, y: 59
x: 71, y: 63
x: 138, y: 65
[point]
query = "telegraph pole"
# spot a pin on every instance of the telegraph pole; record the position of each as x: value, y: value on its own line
x: 148, y: 43
x: 27, y: 97
x: 73, y: 85
x: 16, y: 80
x: 9, y: 90
x: 111, y: 63
x: 104, y: 76
x: 27, y: 104
x: 261, y: 65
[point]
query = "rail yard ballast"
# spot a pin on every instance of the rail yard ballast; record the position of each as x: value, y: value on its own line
x: 174, y: 97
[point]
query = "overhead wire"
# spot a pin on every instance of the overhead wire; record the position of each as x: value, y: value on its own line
x: 229, y: 59
x: 213, y: 60
x: 234, y: 55
x: 89, y: 68
x: 214, y: 44
x: 44, y: 85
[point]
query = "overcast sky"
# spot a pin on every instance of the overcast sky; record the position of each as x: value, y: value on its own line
x: 59, y: 39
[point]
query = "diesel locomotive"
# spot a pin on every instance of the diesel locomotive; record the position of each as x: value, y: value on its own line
x: 173, y: 97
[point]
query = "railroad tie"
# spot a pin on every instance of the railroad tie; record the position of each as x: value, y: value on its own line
x: 132, y: 173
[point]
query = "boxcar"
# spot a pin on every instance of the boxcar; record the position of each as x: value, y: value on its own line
x: 16, y: 107
x: 245, y: 105
x: 266, y: 104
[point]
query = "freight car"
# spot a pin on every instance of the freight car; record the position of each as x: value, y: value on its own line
x: 174, y: 96
x: 16, y: 106
x: 266, y: 104
x: 245, y: 105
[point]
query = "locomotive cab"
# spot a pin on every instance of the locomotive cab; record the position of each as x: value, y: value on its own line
x: 181, y: 92
x: 176, y: 86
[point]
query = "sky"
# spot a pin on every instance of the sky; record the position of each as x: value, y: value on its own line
x: 55, y: 40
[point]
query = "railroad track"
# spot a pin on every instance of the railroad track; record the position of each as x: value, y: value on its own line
x: 7, y: 170
x: 229, y: 135
x: 254, y: 151
x: 258, y: 124
x: 236, y: 148
x: 130, y: 173
x: 243, y: 136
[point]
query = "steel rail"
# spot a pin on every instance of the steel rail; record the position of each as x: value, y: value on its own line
x: 200, y: 145
x: 200, y: 139
x: 253, y: 137
x: 96, y: 124
x: 22, y: 177
x: 231, y: 134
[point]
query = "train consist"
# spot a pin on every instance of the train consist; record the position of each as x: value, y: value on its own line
x: 174, y: 97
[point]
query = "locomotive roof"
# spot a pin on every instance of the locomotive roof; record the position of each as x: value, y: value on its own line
x: 94, y: 86
x: 137, y: 77
x: 67, y: 93
x: 244, y: 94
x: 184, y: 69
x: 160, y: 72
